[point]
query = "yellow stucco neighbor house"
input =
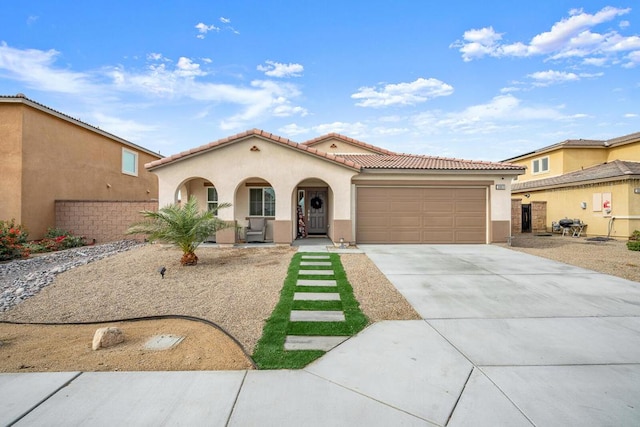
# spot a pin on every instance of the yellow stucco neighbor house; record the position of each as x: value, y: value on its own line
x: 53, y: 166
x: 597, y: 182
x: 342, y: 188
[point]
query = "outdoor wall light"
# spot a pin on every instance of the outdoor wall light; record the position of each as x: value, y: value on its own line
x: 108, y: 185
x: 583, y: 205
x: 527, y: 195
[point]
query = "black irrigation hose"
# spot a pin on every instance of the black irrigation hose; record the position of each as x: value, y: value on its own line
x: 138, y: 319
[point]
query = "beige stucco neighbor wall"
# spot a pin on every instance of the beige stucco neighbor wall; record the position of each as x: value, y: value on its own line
x: 63, y: 160
x: 11, y: 158
x: 567, y: 203
x: 104, y: 221
x: 283, y: 168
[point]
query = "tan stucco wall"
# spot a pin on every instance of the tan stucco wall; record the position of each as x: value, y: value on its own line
x: 566, y: 203
x: 341, y: 147
x: 283, y: 168
x: 11, y: 158
x: 65, y: 161
x: 630, y: 152
x: 576, y: 159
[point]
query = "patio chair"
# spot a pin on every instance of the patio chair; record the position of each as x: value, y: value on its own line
x: 256, y: 231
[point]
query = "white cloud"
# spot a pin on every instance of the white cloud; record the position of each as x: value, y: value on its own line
x: 546, y: 78
x: 624, y: 24
x: 418, y: 91
x: 277, y: 69
x: 633, y: 59
x: 630, y: 116
x: 35, y: 68
x: 502, y: 112
x: 355, y: 130
x: 133, y: 130
x: 568, y: 38
x: 291, y: 130
x: 225, y: 20
x: 187, y: 68
x: 203, y: 29
x: 32, y: 19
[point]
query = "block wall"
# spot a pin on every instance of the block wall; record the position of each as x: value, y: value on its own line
x: 104, y: 221
x: 516, y: 216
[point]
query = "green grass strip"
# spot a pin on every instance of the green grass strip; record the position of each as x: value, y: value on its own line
x: 270, y: 353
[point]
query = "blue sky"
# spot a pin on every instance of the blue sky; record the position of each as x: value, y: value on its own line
x: 476, y: 80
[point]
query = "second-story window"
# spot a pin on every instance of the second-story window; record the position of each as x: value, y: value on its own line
x: 540, y: 165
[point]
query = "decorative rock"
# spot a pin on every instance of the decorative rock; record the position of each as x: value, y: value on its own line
x: 21, y: 279
x: 107, y: 337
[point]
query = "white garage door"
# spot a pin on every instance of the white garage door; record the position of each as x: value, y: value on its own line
x: 421, y: 215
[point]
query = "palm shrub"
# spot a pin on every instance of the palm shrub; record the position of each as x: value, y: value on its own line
x: 185, y: 226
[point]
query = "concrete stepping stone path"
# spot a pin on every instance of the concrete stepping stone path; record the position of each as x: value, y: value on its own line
x: 315, y: 273
x: 300, y: 342
x: 323, y: 343
x: 316, y: 296
x: 316, y: 316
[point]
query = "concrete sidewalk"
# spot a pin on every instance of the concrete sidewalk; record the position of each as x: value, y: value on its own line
x: 507, y: 339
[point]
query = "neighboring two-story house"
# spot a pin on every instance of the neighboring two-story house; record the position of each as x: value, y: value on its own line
x: 597, y: 182
x: 60, y: 171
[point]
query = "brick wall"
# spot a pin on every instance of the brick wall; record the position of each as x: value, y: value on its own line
x: 104, y: 221
x: 539, y: 217
x: 516, y: 216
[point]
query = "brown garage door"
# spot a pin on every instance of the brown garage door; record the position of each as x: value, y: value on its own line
x: 421, y: 215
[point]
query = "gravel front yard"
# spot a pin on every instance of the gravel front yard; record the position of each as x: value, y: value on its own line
x: 234, y: 288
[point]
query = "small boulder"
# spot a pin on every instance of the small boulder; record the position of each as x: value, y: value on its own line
x: 107, y: 337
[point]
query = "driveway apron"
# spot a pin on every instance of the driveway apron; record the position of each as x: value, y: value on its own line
x: 548, y: 343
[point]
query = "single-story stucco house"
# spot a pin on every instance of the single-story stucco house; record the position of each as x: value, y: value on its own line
x: 342, y: 188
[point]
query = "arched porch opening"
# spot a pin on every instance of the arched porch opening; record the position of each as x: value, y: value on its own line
x: 312, y: 209
x: 255, y: 198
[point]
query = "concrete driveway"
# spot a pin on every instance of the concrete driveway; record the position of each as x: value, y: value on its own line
x: 507, y: 339
x: 547, y: 343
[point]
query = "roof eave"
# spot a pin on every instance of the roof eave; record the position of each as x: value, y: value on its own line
x: 624, y: 177
x: 62, y: 116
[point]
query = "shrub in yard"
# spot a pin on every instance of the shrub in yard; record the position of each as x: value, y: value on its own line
x: 633, y: 245
x: 57, y: 239
x: 12, y: 241
x: 635, y: 235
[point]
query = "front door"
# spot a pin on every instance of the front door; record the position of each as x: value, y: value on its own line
x: 317, y: 211
x: 526, y: 218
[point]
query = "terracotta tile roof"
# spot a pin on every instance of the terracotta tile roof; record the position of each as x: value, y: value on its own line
x: 618, y: 169
x: 253, y: 132
x: 21, y: 98
x: 417, y: 162
x: 333, y: 135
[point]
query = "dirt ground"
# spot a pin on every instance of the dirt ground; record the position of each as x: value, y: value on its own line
x: 37, y: 348
x: 236, y: 289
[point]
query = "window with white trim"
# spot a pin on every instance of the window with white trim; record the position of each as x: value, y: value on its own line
x: 540, y: 165
x: 212, y: 199
x: 262, y: 201
x: 129, y: 162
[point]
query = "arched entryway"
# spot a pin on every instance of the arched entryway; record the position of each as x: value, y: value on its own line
x: 255, y: 197
x: 313, y: 208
